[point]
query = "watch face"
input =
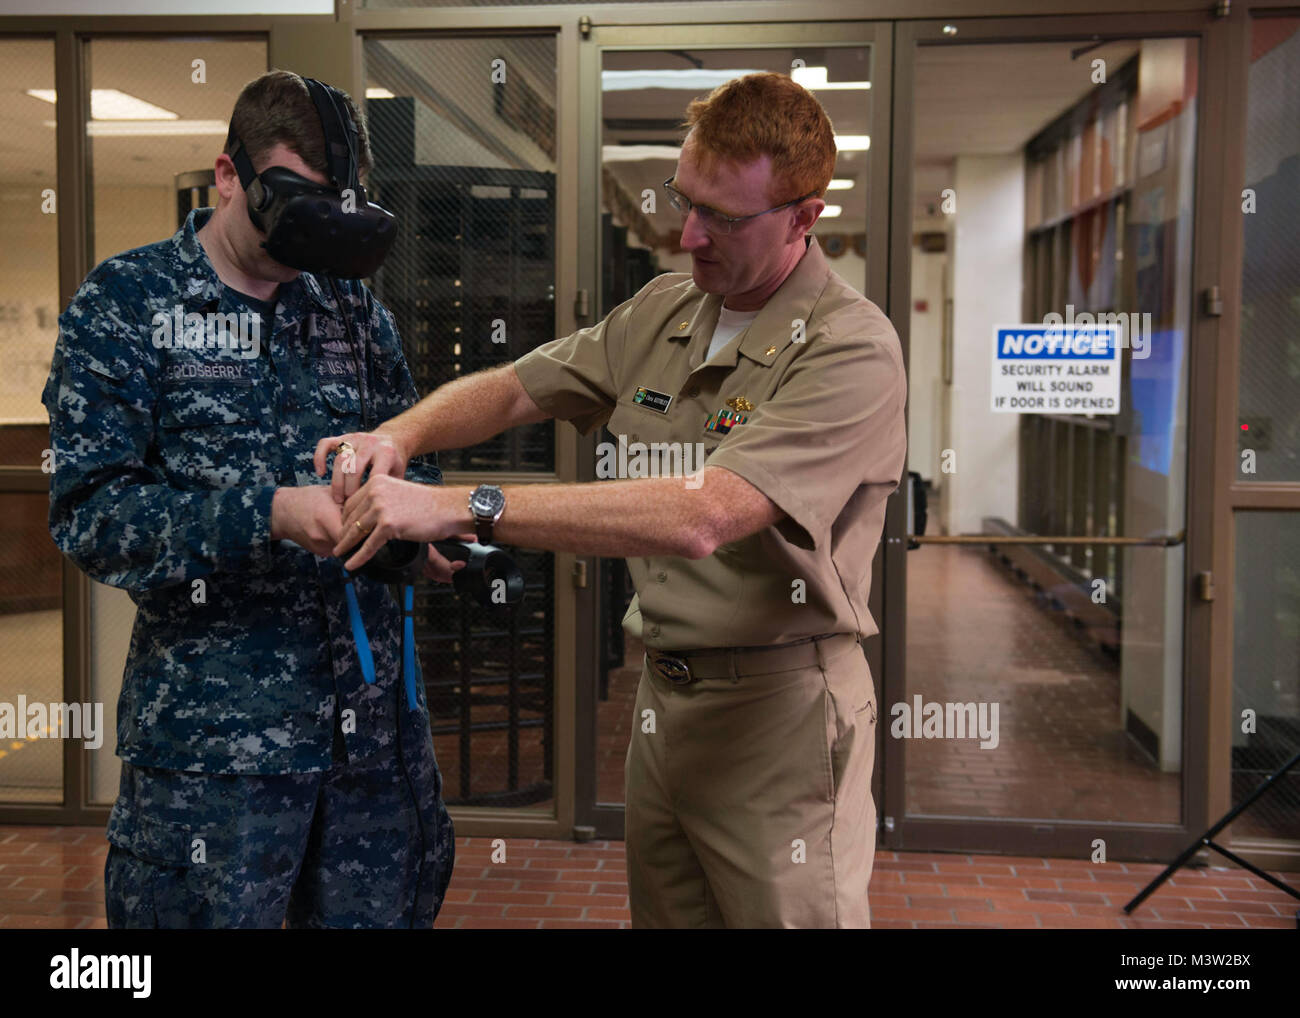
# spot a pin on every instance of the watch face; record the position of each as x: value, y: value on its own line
x: 488, y: 500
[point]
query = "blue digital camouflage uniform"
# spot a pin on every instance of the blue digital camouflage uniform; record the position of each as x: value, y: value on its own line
x: 242, y: 671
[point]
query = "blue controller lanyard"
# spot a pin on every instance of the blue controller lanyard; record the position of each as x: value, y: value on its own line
x: 363, y: 643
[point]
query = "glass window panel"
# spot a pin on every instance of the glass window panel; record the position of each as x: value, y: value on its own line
x: 31, y: 652
x: 465, y: 155
x: 463, y: 134
x: 644, y: 96
x: 135, y: 162
x: 29, y: 256
x: 1084, y: 687
x: 1266, y: 671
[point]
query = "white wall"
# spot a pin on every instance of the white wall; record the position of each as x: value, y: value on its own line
x: 988, y: 239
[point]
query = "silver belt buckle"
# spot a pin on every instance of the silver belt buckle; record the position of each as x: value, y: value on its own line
x: 673, y: 669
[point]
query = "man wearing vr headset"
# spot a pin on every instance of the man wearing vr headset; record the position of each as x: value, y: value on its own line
x: 749, y: 799
x: 265, y: 778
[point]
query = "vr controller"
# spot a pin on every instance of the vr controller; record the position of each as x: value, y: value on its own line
x: 490, y: 576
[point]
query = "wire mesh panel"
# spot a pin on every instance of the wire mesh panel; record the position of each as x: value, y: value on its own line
x: 1269, y: 384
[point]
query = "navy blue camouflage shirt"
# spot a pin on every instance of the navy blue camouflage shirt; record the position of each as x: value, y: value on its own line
x: 169, y: 439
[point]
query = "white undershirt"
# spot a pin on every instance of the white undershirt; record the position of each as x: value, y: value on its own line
x: 730, y: 325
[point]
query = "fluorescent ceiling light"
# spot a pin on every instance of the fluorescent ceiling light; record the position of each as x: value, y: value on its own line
x: 839, y: 184
x: 852, y: 142
x: 814, y: 79
x: 635, y: 153
x: 377, y: 92
x: 690, y: 79
x: 831, y: 211
x: 111, y: 104
x: 151, y: 128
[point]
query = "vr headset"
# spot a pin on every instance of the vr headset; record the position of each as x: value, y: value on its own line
x: 335, y: 230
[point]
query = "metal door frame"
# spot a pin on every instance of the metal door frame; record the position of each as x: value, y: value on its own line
x: 1066, y: 838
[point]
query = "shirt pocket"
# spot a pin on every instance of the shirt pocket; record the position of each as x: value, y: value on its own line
x: 214, y: 435
x: 336, y: 381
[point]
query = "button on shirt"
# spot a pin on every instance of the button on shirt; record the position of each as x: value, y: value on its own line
x: 808, y: 407
x: 167, y: 451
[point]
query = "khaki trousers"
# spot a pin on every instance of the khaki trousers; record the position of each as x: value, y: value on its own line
x: 749, y: 798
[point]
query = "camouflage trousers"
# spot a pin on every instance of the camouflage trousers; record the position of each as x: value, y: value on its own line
x: 352, y: 847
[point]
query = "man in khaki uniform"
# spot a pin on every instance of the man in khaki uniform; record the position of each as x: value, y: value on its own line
x: 749, y: 797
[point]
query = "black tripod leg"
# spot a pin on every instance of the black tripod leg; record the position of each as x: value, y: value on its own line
x: 1206, y: 838
x: 1170, y: 870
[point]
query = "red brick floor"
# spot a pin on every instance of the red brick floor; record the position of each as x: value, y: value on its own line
x: 976, y: 633
x: 52, y: 877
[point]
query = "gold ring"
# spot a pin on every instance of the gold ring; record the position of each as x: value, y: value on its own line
x: 343, y: 445
x: 359, y: 526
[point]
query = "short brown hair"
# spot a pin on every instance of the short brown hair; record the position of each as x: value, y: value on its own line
x: 767, y: 114
x: 277, y: 108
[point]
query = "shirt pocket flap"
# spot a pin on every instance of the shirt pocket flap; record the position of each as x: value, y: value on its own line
x: 196, y: 406
x: 340, y: 397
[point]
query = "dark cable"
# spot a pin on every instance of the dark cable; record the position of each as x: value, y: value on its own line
x: 359, y: 351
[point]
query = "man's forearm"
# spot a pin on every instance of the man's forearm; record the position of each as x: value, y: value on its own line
x: 465, y: 412
x: 620, y: 519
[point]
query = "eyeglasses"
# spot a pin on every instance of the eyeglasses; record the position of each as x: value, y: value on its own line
x: 713, y: 220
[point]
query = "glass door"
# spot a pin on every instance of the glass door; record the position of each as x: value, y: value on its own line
x: 1043, y: 666
x: 637, y: 83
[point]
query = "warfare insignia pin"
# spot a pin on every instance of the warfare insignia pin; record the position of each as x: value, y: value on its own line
x: 740, y: 403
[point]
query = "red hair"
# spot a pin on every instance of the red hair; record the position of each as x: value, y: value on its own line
x: 769, y: 115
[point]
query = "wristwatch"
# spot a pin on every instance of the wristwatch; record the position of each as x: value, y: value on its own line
x: 486, y: 504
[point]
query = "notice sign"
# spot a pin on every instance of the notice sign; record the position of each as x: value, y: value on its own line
x: 1056, y: 369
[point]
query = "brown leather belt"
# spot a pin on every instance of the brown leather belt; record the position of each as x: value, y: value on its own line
x: 684, y: 667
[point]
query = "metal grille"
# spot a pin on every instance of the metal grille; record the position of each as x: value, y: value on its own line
x: 470, y: 284
x: 489, y: 676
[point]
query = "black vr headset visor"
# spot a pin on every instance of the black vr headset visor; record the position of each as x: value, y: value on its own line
x: 330, y: 230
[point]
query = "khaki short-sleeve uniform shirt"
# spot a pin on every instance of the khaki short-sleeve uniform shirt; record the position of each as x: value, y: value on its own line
x: 806, y: 404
